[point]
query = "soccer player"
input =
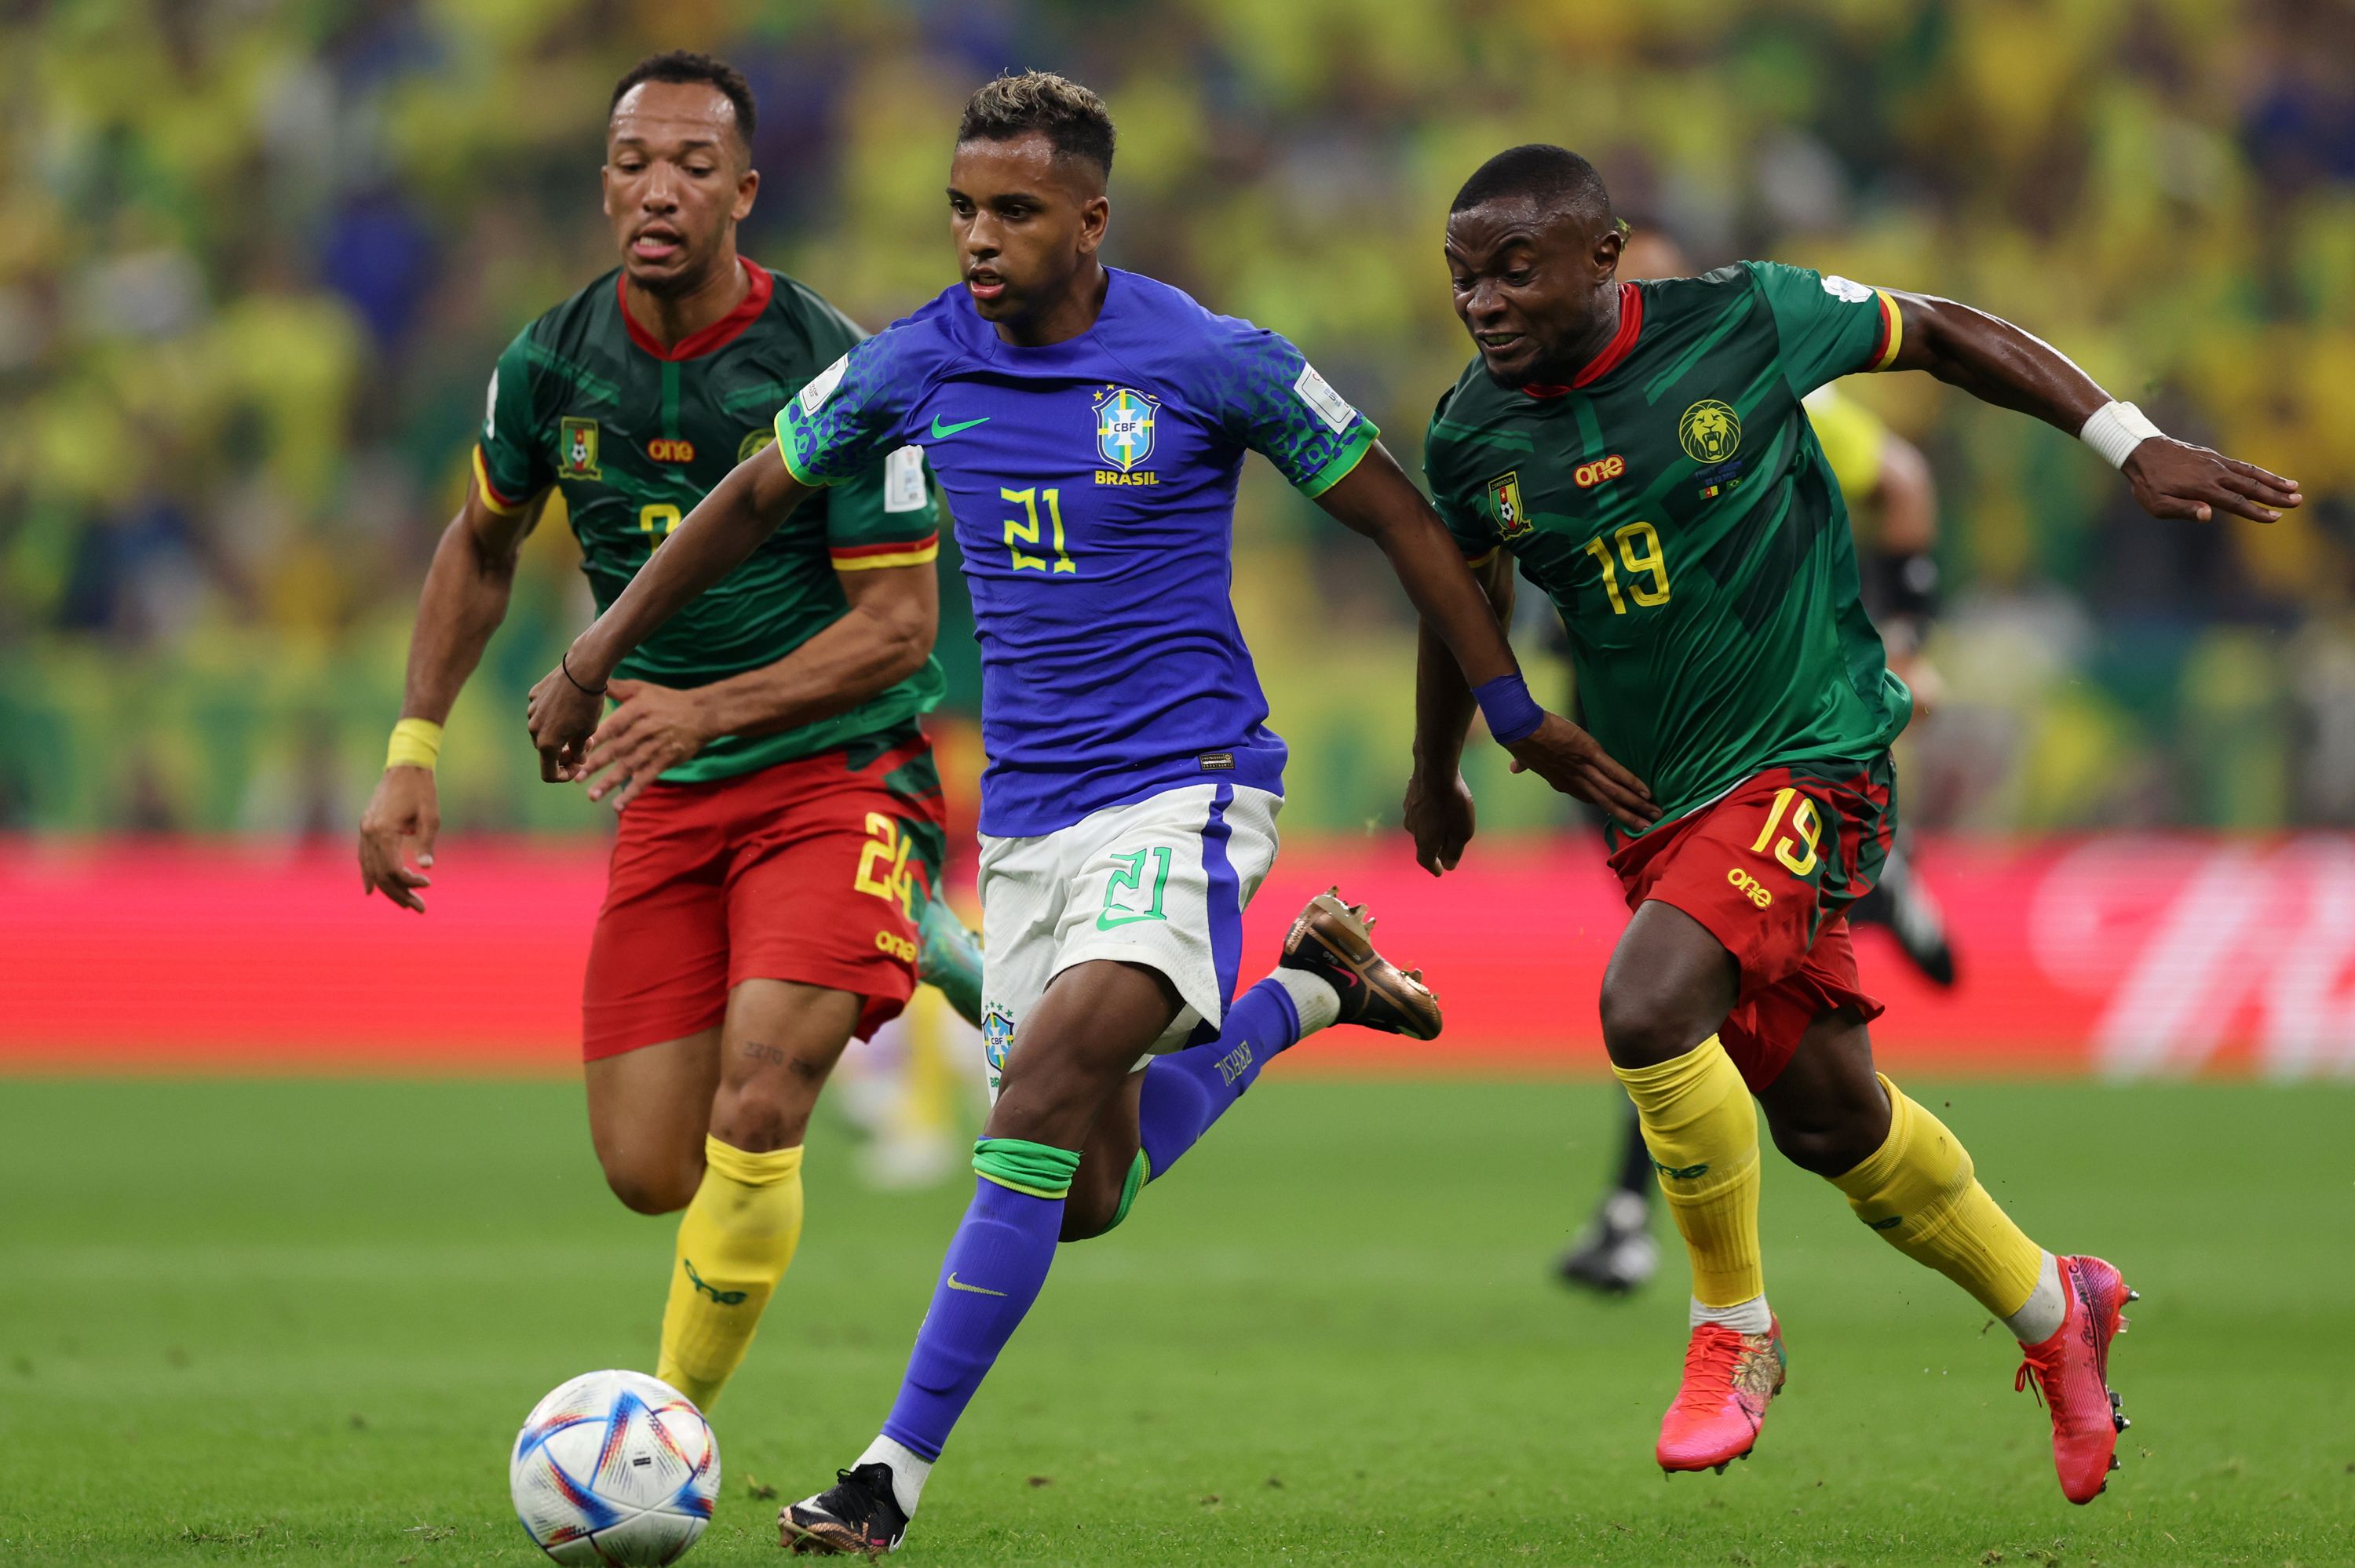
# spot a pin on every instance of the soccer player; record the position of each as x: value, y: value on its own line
x: 1896, y: 528
x: 1641, y: 449
x: 1088, y: 425
x: 771, y: 882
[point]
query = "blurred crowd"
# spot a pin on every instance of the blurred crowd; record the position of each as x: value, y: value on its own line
x: 257, y: 258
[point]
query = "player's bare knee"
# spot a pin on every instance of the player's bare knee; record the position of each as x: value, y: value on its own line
x: 1051, y: 1097
x: 761, y: 1116
x: 768, y: 1089
x: 1083, y: 1219
x: 1646, y: 1022
x: 654, y: 1188
x: 1825, y: 1149
x: 1825, y: 1109
x: 1032, y: 1112
x: 1093, y: 1200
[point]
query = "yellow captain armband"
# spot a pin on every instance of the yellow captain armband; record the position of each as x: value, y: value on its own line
x: 416, y: 743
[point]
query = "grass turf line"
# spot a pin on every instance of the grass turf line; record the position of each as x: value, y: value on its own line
x: 299, y: 1322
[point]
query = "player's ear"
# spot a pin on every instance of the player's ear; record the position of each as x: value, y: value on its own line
x: 1607, y: 249
x: 1095, y: 218
x: 748, y: 185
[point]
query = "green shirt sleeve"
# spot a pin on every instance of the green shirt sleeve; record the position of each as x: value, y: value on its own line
x: 884, y: 516
x: 1467, y: 521
x: 510, y: 463
x: 1827, y: 327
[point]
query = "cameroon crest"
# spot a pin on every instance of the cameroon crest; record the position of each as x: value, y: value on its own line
x: 1710, y: 430
x: 576, y: 451
x: 1123, y: 427
x: 1505, y: 501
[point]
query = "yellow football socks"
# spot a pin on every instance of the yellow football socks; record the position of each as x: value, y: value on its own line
x: 1919, y: 1192
x: 1702, y: 1132
x: 734, y: 1242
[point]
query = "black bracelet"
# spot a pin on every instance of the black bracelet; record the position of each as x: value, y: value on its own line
x: 1903, y: 585
x: 562, y: 663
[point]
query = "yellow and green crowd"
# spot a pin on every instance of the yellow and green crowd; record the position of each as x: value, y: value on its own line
x: 257, y: 258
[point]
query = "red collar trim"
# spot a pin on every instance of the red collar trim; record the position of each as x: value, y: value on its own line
x: 1631, y: 325
x: 719, y: 334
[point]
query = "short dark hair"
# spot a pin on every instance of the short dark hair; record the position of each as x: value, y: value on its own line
x: 1074, y: 120
x: 690, y: 64
x: 1551, y: 176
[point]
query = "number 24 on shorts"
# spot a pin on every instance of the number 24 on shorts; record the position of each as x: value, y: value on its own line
x: 883, y: 864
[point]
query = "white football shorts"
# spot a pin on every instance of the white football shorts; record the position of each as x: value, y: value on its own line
x: 1162, y: 883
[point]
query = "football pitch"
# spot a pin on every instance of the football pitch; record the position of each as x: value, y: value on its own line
x: 267, y: 1321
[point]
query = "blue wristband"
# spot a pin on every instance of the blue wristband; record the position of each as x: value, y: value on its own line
x: 1512, y: 714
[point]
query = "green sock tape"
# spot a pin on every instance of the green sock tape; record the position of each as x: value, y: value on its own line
x: 1038, y: 1169
x: 1140, y: 1172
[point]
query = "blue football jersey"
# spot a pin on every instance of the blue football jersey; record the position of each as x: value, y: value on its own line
x: 1093, y: 484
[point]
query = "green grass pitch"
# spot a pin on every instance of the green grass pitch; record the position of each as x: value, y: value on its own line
x: 299, y: 1322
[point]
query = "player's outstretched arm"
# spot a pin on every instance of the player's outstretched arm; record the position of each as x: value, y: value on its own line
x: 726, y: 525
x: 1439, y: 812
x: 1997, y: 363
x: 882, y: 639
x: 465, y: 598
x: 1377, y: 499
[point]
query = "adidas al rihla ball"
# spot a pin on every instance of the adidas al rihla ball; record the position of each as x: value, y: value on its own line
x: 614, y: 1468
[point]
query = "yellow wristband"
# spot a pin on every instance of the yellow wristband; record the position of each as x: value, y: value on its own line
x: 416, y: 743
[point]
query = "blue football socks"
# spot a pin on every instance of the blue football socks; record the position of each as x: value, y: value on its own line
x: 994, y: 1267
x: 1188, y: 1090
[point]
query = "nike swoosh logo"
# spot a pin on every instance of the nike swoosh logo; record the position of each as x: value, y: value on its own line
x: 939, y: 431
x: 954, y: 1283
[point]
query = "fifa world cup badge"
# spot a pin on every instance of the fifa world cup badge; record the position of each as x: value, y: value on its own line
x: 577, y: 450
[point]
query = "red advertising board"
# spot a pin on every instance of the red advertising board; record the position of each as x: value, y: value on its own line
x: 2123, y: 956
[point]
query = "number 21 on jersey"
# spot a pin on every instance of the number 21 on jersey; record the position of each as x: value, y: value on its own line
x: 1024, y: 530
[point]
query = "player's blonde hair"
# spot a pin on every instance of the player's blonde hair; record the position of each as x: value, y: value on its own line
x: 1073, y: 119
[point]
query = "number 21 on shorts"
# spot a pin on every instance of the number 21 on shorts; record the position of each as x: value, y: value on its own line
x: 1797, y: 849
x: 1128, y: 884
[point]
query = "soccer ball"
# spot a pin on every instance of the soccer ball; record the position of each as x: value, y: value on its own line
x: 614, y: 1468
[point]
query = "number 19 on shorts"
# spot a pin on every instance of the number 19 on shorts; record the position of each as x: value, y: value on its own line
x: 1797, y: 849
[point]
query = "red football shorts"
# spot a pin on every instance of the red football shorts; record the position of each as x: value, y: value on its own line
x: 1769, y: 868
x: 809, y: 870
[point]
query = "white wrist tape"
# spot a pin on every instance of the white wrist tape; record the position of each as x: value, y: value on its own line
x: 2114, y: 430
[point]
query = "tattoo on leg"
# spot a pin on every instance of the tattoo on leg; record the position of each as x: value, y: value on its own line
x: 760, y: 1051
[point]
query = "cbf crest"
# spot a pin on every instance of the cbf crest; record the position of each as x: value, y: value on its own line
x: 996, y: 1041
x: 1123, y: 427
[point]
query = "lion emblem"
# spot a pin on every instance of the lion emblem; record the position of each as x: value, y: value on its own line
x: 1710, y: 430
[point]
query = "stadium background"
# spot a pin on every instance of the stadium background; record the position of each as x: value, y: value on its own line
x: 297, y: 1214
x: 256, y: 260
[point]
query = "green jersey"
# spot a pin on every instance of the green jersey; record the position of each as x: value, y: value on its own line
x: 1676, y: 505
x: 634, y: 434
